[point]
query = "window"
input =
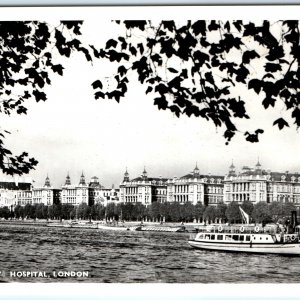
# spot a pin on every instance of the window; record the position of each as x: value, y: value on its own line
x: 207, y: 236
x: 227, y: 237
x: 219, y: 237
x: 235, y: 237
x: 212, y: 237
x: 242, y: 238
x: 248, y: 238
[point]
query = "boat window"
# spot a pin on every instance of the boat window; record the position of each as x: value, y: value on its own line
x: 266, y: 238
x: 227, y: 237
x: 207, y: 236
x: 212, y: 237
x: 260, y: 238
x: 241, y: 237
x: 235, y: 237
x: 248, y: 238
x: 201, y: 236
x: 220, y: 237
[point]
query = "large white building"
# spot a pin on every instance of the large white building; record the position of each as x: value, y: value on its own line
x: 195, y: 187
x: 143, y: 189
x: 46, y: 194
x: 75, y: 194
x: 256, y: 184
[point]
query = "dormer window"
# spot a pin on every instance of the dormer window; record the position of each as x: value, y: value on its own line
x: 293, y: 178
x: 283, y: 178
x: 212, y: 180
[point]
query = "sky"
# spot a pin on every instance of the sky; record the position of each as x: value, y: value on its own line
x: 73, y: 133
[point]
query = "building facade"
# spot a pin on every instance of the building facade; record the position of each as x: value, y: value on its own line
x: 75, y: 194
x: 195, y: 187
x: 256, y: 184
x: 46, y: 195
x: 143, y: 189
x: 16, y: 191
x: 98, y: 194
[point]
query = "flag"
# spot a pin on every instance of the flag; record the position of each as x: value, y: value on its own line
x: 244, y: 215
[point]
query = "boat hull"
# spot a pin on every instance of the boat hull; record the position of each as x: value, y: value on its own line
x: 276, y: 248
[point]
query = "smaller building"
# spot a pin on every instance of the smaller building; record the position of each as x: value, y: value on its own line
x: 15, y: 191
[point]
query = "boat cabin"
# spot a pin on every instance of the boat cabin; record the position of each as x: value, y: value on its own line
x: 236, y: 238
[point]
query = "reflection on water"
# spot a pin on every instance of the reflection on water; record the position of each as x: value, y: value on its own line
x: 126, y: 256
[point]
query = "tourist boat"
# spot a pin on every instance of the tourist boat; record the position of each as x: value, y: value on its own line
x: 268, y: 239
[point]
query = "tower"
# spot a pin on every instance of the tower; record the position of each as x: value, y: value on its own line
x: 68, y: 180
x: 258, y: 165
x: 232, y: 170
x: 82, y: 179
x: 126, y: 176
x: 196, y: 170
x: 144, y: 175
x: 47, y: 182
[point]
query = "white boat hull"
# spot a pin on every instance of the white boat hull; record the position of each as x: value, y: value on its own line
x: 276, y: 248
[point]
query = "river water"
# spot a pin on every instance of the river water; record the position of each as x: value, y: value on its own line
x: 129, y: 257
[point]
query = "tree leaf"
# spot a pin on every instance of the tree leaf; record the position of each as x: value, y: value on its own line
x: 111, y: 44
x: 281, y: 123
x: 256, y: 85
x: 58, y: 69
x: 97, y: 84
x: 172, y: 70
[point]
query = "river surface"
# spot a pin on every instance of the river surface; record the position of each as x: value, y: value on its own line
x: 129, y: 257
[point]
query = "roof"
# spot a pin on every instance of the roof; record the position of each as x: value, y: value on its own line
x: 198, y: 176
x: 95, y: 185
x: 149, y: 179
x: 277, y: 176
x: 13, y: 186
x: 248, y: 172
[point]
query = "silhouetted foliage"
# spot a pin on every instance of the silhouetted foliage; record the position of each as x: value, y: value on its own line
x: 30, y: 53
x: 197, y: 68
x: 194, y: 68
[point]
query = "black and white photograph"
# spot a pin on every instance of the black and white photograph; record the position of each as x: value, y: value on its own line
x: 150, y: 145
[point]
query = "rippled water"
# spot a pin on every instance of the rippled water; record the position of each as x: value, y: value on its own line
x: 125, y: 256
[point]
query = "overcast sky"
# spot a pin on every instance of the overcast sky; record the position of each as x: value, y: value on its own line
x: 72, y: 132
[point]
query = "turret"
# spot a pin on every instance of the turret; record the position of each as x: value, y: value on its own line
x: 232, y: 170
x: 126, y: 176
x: 47, y: 182
x: 144, y: 175
x: 68, y: 180
x: 196, y: 170
x: 82, y: 179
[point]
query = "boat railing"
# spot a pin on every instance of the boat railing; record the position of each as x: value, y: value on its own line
x: 253, y: 229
